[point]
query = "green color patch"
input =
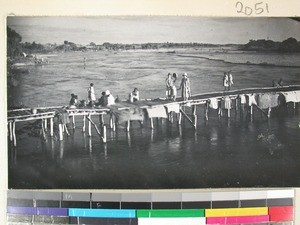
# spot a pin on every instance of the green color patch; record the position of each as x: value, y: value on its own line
x: 170, y: 213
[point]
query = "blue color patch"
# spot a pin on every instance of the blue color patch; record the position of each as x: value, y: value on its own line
x: 103, y: 213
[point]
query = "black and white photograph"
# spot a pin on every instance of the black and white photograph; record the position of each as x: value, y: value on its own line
x: 152, y: 102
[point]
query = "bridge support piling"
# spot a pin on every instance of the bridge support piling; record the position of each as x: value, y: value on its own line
x: 73, y: 122
x: 61, y: 132
x: 151, y: 123
x: 269, y: 112
x: 83, y: 127
x: 206, y: 110
x: 179, y: 118
x: 45, y: 124
x: 51, y: 127
x: 112, y: 122
x: 104, y: 134
x: 194, y: 110
x: 251, y: 109
x: 101, y: 120
x: 128, y: 125
x: 14, y: 133
x: 10, y: 131
x: 43, y: 129
x: 90, y: 126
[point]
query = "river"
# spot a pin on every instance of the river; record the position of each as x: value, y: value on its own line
x: 235, y: 152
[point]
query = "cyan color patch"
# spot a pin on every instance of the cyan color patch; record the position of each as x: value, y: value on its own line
x: 103, y: 213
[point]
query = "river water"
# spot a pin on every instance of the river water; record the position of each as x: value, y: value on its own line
x: 235, y: 152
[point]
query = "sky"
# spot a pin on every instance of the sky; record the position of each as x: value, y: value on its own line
x: 144, y: 29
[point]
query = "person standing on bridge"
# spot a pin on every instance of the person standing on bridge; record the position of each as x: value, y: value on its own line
x: 185, y: 87
x: 230, y: 80
x: 227, y: 81
x: 91, y: 95
x: 171, y: 91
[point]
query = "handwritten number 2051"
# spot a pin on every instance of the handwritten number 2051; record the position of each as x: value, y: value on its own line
x: 259, y: 8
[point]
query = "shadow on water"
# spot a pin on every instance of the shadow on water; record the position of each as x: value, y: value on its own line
x: 241, y: 151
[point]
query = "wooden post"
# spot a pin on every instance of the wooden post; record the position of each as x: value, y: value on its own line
x: 11, y: 131
x: 128, y: 139
x: 73, y: 121
x: 112, y: 123
x: 61, y: 133
x: 104, y: 134
x: 152, y: 135
x: 179, y: 118
x: 90, y: 145
x: 151, y: 123
x: 14, y: 133
x: 269, y: 112
x: 43, y: 129
x: 51, y: 127
x: 127, y: 125
x: 180, y: 131
x: 83, y: 127
x: 45, y: 124
x: 206, y: 111
x: 101, y: 120
x: 90, y: 126
x: 171, y: 117
x: 194, y: 109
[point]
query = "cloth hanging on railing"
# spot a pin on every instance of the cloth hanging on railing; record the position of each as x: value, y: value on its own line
x: 251, y: 99
x: 227, y: 103
x: 129, y: 114
x: 213, y: 103
x: 267, y: 100
x: 174, y: 107
x: 243, y: 99
x: 157, y: 111
x: 291, y: 96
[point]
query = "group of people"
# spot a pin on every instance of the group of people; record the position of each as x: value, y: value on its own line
x: 278, y: 84
x: 171, y: 90
x: 106, y: 98
x: 227, y: 81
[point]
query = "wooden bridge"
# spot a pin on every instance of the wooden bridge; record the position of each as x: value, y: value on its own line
x: 148, y: 109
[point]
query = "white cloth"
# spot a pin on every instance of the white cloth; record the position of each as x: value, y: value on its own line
x: 267, y: 100
x: 213, y: 103
x: 110, y: 100
x: 291, y: 96
x: 252, y: 100
x: 243, y: 99
x: 227, y: 101
x: 174, y: 107
x: 157, y: 111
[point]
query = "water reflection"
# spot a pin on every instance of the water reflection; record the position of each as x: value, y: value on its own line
x: 61, y: 149
x: 90, y: 145
x: 166, y: 157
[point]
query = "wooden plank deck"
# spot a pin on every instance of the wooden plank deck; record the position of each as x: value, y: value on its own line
x: 27, y: 114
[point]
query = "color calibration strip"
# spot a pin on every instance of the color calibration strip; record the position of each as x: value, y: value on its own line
x: 253, y: 207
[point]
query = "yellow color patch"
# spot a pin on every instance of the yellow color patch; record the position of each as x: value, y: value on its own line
x: 236, y: 212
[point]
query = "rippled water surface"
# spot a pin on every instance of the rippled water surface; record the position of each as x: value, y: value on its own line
x: 235, y: 152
